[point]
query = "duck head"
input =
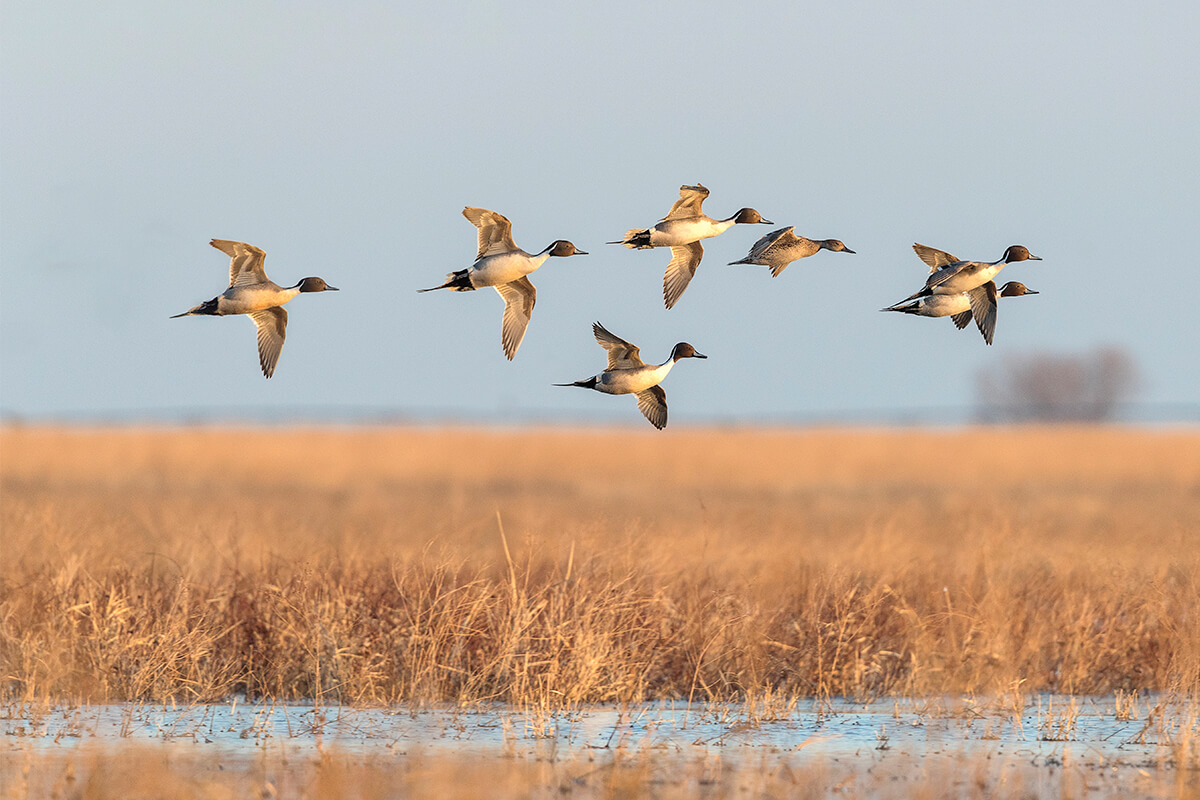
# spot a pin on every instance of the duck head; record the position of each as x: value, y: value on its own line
x: 836, y: 246
x: 562, y: 247
x: 685, y: 350
x: 1015, y: 289
x: 315, y: 285
x: 748, y: 216
x: 1019, y: 252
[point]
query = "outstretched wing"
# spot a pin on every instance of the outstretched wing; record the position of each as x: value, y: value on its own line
x: 688, y: 204
x: 621, y: 354
x: 272, y: 328
x: 245, y: 262
x: 934, y: 258
x: 652, y: 403
x: 983, y: 309
x: 684, y: 260
x: 764, y: 244
x: 519, y: 297
x: 495, y: 231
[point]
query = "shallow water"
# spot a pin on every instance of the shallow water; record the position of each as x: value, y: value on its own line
x: 953, y: 748
x: 1048, y: 729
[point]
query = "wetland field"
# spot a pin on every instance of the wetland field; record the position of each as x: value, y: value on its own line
x: 726, y: 612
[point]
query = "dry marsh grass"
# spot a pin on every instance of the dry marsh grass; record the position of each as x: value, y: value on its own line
x: 555, y: 568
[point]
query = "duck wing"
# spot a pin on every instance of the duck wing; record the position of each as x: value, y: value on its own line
x: 519, y: 297
x: 245, y: 262
x: 688, y: 204
x: 983, y: 309
x: 272, y: 328
x: 943, y: 274
x: 962, y: 319
x: 621, y: 354
x: 764, y: 244
x: 652, y: 403
x: 684, y: 260
x: 934, y: 258
x: 495, y: 231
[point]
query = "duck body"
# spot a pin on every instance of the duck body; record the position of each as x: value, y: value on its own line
x: 628, y: 374
x: 935, y: 305
x: 682, y: 230
x: 631, y: 381
x: 676, y: 232
x: 505, y: 267
x: 256, y: 297
x: 779, y: 248
x: 502, y: 268
x: 252, y: 293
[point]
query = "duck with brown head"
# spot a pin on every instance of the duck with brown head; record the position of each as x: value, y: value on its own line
x: 626, y: 373
x: 779, y: 248
x: 682, y: 230
x: 499, y: 263
x: 252, y: 293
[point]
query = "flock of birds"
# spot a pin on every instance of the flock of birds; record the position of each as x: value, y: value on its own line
x: 961, y: 290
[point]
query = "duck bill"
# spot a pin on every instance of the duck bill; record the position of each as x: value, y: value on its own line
x: 699, y: 355
x: 1032, y: 257
x: 584, y: 252
x: 329, y: 288
x: 765, y: 222
x: 848, y: 250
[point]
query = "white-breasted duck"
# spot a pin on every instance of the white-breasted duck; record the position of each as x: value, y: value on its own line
x: 960, y: 307
x: 681, y: 230
x: 505, y: 267
x: 779, y: 248
x: 252, y: 293
x: 626, y: 373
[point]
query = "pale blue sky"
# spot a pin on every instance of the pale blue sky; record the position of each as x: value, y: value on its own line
x: 345, y: 139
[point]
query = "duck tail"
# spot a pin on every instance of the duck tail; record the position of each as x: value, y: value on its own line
x: 456, y: 281
x: 746, y: 260
x: 206, y: 309
x: 636, y: 239
x: 905, y: 307
x: 590, y: 383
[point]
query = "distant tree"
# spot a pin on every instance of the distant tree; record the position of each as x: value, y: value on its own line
x: 1047, y: 387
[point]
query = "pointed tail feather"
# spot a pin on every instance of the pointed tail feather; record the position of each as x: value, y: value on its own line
x: 904, y: 307
x: 206, y: 309
x: 635, y: 239
x: 590, y: 383
x: 456, y: 281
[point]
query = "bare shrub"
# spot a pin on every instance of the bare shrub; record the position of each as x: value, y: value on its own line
x: 1049, y: 387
